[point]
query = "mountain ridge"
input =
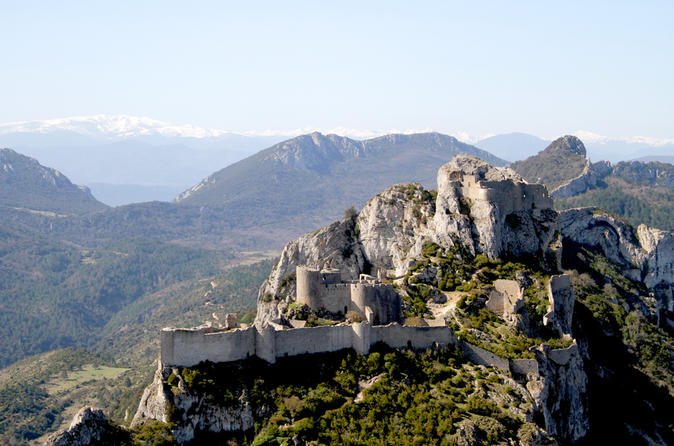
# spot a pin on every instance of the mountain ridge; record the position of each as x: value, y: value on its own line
x: 26, y: 183
x: 319, y: 154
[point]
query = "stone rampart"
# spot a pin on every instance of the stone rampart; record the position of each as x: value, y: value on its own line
x: 183, y: 347
x: 524, y: 367
x: 481, y: 356
x: 190, y: 347
x: 563, y: 355
x: 298, y: 341
x: 560, y: 311
x: 402, y: 336
x: 335, y: 297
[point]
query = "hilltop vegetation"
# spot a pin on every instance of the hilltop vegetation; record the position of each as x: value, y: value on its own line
x: 385, y: 397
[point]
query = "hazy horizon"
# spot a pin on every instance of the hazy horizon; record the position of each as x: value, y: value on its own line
x: 457, y: 68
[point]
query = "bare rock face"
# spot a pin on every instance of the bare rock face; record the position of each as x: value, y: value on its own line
x: 89, y: 426
x: 154, y: 403
x: 583, y: 182
x: 645, y: 254
x: 484, y: 209
x: 180, y: 408
x: 560, y: 392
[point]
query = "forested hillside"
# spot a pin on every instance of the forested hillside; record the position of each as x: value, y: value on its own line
x: 41, y: 393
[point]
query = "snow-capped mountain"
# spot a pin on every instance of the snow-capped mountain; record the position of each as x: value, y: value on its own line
x: 112, y: 127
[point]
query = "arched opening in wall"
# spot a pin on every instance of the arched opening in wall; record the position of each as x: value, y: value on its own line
x: 533, y: 205
x: 409, y: 344
x: 345, y: 309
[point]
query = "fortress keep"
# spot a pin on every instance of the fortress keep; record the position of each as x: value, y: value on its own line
x: 378, y: 303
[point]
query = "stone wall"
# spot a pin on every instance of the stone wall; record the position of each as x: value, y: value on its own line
x: 560, y: 311
x: 523, y: 367
x: 403, y: 336
x: 186, y: 348
x: 481, y: 356
x: 334, y: 297
x: 182, y: 347
x: 189, y: 347
x: 298, y: 341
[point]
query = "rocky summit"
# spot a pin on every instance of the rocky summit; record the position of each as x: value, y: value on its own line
x: 486, y: 210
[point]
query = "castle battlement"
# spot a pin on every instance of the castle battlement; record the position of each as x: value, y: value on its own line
x: 189, y: 347
x: 376, y: 302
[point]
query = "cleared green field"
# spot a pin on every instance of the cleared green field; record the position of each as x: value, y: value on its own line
x: 69, y: 380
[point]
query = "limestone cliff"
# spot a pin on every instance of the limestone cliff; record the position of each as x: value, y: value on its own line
x: 170, y: 399
x: 560, y: 392
x: 644, y: 255
x: 483, y: 209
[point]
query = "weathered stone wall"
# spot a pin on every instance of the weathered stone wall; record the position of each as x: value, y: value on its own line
x: 560, y: 311
x: 402, y: 336
x: 481, y: 356
x: 308, y: 282
x: 523, y: 366
x: 334, y: 297
x: 190, y: 347
x: 182, y: 347
x: 298, y: 341
x: 387, y: 304
x: 562, y: 356
x: 506, y: 298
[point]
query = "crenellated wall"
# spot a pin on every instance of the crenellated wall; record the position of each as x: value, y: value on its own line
x: 189, y: 347
x: 182, y: 347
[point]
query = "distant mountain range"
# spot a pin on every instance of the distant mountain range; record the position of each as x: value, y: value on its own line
x: 126, y: 159
x: 518, y: 146
x: 265, y: 199
x: 513, y: 146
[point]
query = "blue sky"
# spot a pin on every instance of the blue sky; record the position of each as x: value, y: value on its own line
x: 545, y: 68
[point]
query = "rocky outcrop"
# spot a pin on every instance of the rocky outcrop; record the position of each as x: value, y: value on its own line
x: 190, y: 411
x: 652, y: 173
x: 154, y: 403
x: 560, y: 392
x: 89, y: 426
x: 585, y: 181
x: 482, y: 209
x: 644, y: 255
x: 560, y: 312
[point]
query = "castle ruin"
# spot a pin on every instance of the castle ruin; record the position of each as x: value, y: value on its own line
x: 377, y: 303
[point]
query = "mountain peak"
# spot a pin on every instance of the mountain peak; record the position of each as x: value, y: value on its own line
x: 24, y: 182
x: 567, y: 144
